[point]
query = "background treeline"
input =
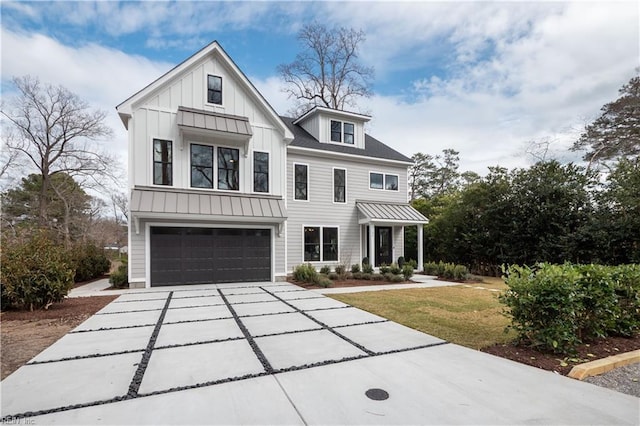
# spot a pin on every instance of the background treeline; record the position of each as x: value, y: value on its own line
x: 550, y: 212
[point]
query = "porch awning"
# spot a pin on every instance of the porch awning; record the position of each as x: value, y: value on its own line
x: 158, y: 203
x: 199, y: 121
x: 389, y: 213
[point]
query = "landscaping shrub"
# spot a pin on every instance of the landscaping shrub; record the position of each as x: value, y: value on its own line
x: 325, y: 270
x: 355, y: 268
x: 407, y: 271
x: 441, y: 268
x: 395, y: 269
x: 413, y: 263
x: 333, y: 276
x: 365, y: 261
x: 460, y: 272
x: 90, y: 262
x: 388, y: 276
x: 305, y: 273
x: 384, y: 268
x: 449, y: 271
x: 366, y: 276
x: 431, y: 268
x: 557, y: 307
x: 35, y: 274
x: 356, y: 275
x: 341, y: 270
x: 377, y: 277
x: 367, y: 268
x: 401, y: 261
x: 323, y: 281
x: 120, y: 278
x: 397, y: 278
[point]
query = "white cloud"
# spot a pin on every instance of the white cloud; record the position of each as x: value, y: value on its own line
x: 102, y: 76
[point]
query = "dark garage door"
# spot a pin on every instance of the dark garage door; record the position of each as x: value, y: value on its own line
x: 209, y: 255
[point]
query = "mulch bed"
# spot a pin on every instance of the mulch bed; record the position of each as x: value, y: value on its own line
x: 347, y: 283
x: 68, y: 309
x: 601, y: 348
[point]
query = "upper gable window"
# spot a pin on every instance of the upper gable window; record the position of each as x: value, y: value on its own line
x: 214, y: 89
x: 336, y: 131
x: 342, y: 132
x: 162, y: 162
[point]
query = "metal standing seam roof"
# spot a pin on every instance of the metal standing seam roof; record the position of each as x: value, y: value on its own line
x: 390, y: 212
x: 145, y: 202
x: 207, y: 120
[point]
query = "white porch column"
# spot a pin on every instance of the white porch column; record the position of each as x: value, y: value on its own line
x: 372, y: 241
x: 420, y: 248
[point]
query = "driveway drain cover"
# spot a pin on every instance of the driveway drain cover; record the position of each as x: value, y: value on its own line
x: 377, y: 394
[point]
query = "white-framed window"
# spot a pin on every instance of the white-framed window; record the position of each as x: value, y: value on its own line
x: 387, y: 182
x: 300, y: 182
x: 214, y: 89
x: 162, y: 162
x: 339, y: 185
x: 260, y: 171
x: 209, y: 164
x: 320, y: 243
x: 342, y: 132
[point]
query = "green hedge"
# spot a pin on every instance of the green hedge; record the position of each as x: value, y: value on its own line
x: 90, y: 262
x: 35, y: 273
x: 557, y: 307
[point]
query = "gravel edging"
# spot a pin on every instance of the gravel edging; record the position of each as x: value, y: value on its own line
x: 625, y: 379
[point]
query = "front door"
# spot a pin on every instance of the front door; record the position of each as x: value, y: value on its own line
x: 384, y: 249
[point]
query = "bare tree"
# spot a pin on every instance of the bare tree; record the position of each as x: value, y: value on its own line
x: 327, y: 72
x: 56, y: 132
x: 120, y: 205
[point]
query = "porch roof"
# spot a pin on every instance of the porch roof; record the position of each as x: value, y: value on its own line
x: 387, y: 212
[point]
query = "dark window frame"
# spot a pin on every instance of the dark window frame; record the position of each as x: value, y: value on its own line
x: 336, y: 133
x: 336, y: 187
x: 228, y: 176
x: 299, y: 186
x: 319, y: 249
x: 386, y: 188
x: 201, y: 167
x: 214, y: 95
x: 351, y: 133
x: 165, y: 162
x: 371, y: 174
x: 260, y: 176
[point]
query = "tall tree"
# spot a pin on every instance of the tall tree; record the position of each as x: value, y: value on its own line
x: 616, y: 133
x: 327, y: 72
x: 56, y: 132
x: 431, y: 176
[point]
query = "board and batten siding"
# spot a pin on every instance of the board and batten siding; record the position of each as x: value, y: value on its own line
x: 320, y: 210
x: 155, y: 117
x: 138, y: 247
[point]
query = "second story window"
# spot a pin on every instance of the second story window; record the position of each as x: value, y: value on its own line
x: 162, y: 162
x: 228, y: 169
x: 261, y: 172
x: 301, y: 182
x: 201, y: 166
x: 339, y: 185
x: 383, y: 181
x: 214, y: 89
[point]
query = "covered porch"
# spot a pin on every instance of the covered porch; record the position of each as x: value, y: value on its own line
x: 382, y: 230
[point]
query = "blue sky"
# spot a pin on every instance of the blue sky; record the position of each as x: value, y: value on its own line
x: 484, y: 78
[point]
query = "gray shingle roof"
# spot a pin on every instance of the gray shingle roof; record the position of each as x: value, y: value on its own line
x: 373, y: 147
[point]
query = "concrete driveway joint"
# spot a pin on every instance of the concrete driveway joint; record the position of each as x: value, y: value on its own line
x: 299, y: 357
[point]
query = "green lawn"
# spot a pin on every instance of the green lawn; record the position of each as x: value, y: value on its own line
x: 464, y: 315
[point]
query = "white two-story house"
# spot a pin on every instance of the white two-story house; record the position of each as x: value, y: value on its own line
x: 223, y: 189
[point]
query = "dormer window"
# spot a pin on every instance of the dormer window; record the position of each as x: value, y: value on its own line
x: 214, y: 89
x: 342, y: 132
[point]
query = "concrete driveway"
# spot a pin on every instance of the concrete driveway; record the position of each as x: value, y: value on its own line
x: 272, y: 353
